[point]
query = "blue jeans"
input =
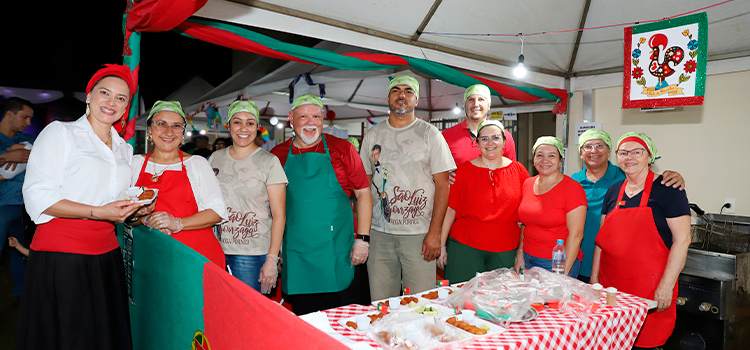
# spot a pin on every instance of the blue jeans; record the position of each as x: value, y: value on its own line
x: 11, y: 225
x: 532, y: 261
x: 247, y: 268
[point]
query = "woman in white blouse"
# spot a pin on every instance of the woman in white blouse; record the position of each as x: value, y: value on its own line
x: 189, y: 201
x: 253, y: 184
x: 74, y: 295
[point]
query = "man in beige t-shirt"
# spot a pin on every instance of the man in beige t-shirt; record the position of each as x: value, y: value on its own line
x: 407, y: 162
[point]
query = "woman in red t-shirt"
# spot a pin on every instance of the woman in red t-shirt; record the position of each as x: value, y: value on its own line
x: 482, y: 215
x: 553, y: 207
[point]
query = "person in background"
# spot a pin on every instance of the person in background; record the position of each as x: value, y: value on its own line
x: 201, y: 146
x: 253, y: 185
x: 482, y: 215
x: 597, y: 175
x: 643, y: 241
x: 17, y: 114
x: 462, y: 138
x: 414, y: 164
x: 322, y: 247
x: 219, y: 144
x: 189, y: 202
x: 75, y: 295
x: 13, y: 243
x: 553, y: 207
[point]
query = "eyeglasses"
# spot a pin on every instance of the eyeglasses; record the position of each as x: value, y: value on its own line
x: 161, y: 126
x: 637, y: 152
x: 496, y: 138
x: 591, y: 148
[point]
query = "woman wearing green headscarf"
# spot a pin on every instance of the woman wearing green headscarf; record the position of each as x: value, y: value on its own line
x: 553, y: 207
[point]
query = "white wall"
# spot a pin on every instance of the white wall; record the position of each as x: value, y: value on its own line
x: 707, y: 144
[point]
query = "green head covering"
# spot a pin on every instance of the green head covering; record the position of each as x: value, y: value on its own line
x: 594, y: 134
x: 171, y: 106
x: 478, y: 89
x: 549, y: 140
x: 488, y: 122
x: 405, y: 80
x: 243, y: 106
x: 307, y: 99
x: 642, y: 139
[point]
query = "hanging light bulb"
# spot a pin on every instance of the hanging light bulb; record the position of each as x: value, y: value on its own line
x: 520, y: 70
x: 274, y: 120
x: 456, y: 110
x: 279, y: 125
x: 203, y: 132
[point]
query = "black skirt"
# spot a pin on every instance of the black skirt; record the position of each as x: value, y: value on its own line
x: 74, y: 301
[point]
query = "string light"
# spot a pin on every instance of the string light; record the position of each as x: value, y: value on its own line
x: 520, y: 70
x: 273, y: 120
x: 456, y: 110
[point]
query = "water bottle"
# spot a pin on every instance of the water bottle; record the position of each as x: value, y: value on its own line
x: 558, y: 257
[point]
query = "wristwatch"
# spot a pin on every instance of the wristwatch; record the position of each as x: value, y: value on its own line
x: 365, y: 238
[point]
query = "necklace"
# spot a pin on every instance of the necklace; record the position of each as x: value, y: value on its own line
x: 316, y: 148
x: 492, y: 180
x: 156, y: 176
x: 634, y: 191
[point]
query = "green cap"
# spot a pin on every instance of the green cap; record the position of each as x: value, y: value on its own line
x: 307, y: 99
x: 478, y: 89
x: 488, y: 122
x: 405, y: 80
x: 645, y: 139
x: 171, y: 106
x: 243, y: 106
x: 594, y: 134
x: 549, y: 140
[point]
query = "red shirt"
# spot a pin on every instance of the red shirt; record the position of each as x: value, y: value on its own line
x: 344, y: 157
x: 463, y: 143
x: 487, y: 209
x: 544, y: 215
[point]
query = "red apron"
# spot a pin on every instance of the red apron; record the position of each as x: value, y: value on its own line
x: 176, y: 197
x: 633, y: 260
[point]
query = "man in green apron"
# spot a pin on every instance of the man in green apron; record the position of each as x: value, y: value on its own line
x: 320, y: 248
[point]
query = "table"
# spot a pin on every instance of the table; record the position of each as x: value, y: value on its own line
x: 610, y: 327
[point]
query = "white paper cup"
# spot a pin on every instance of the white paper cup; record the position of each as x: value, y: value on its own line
x: 597, y: 289
x: 394, y: 303
x: 467, y: 315
x: 443, y: 293
x: 363, y: 323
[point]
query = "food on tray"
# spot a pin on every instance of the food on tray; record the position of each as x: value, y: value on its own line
x: 426, y: 310
x: 434, y: 294
x: 461, y: 285
x: 408, y: 299
x: 146, y: 195
x: 351, y: 324
x: 466, y: 326
x: 375, y: 317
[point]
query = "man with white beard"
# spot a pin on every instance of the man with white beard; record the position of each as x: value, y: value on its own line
x: 324, y: 249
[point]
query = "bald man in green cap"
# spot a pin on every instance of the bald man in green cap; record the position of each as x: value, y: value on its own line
x: 462, y: 137
x: 409, y: 176
x: 322, y: 253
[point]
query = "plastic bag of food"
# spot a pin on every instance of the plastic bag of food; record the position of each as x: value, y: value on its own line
x: 581, y: 300
x: 411, y: 331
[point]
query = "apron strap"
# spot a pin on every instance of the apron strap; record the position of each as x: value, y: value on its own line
x: 644, y: 195
x: 145, y: 161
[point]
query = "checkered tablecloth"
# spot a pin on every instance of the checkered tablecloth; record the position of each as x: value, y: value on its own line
x: 610, y: 327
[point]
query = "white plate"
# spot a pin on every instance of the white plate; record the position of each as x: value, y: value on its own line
x: 343, y: 321
x: 493, y: 328
x: 419, y: 338
x: 134, y: 192
x: 420, y: 301
x: 438, y: 300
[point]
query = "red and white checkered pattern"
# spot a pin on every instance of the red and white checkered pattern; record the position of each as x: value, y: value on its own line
x: 610, y: 327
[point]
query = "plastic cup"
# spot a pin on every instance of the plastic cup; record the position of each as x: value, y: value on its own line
x: 363, y: 323
x: 611, y: 296
x: 467, y: 315
x: 394, y: 303
x: 597, y: 289
x: 443, y: 293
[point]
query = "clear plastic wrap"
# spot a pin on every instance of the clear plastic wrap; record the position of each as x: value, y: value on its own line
x: 411, y: 331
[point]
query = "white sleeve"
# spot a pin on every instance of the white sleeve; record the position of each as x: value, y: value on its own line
x: 45, y: 171
x: 206, y: 186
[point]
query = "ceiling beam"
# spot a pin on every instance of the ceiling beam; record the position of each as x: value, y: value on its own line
x: 355, y: 91
x: 581, y: 25
x: 426, y: 20
x: 387, y: 36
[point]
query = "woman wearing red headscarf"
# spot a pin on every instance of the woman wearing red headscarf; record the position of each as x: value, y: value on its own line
x: 75, y: 295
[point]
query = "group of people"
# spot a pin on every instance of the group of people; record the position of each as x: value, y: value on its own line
x: 333, y: 218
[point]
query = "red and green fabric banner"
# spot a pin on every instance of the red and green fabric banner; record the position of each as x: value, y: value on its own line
x: 242, y: 39
x: 180, y: 300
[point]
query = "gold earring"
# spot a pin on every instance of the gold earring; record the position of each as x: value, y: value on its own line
x: 88, y: 109
x: 148, y: 137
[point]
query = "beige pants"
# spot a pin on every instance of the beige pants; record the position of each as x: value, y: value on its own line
x: 396, y: 259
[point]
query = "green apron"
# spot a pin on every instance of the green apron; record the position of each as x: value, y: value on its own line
x: 319, y: 230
